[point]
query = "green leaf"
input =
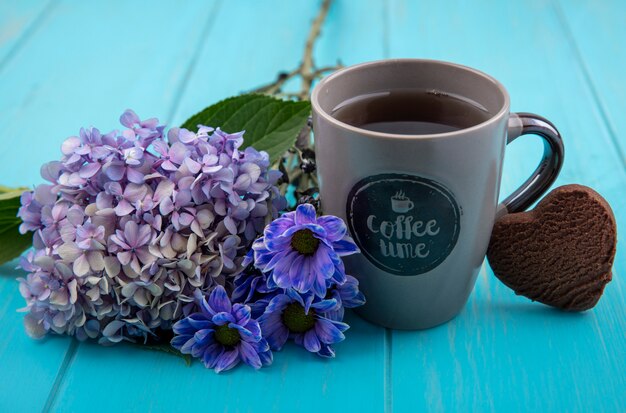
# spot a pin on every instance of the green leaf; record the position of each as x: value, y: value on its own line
x: 271, y: 124
x: 12, y: 243
x: 4, y: 189
x: 167, y: 348
x: 10, y: 197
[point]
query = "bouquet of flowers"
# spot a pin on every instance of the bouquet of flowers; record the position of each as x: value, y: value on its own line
x: 184, y: 238
x: 141, y: 234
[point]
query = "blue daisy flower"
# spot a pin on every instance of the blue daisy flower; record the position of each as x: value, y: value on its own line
x: 347, y: 295
x: 251, y: 288
x: 222, y: 334
x: 303, y: 251
x: 304, y: 319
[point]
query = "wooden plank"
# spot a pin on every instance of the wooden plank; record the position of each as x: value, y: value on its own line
x: 76, y: 73
x: 504, y: 353
x: 597, y: 30
x: 265, y: 40
x: 29, y: 367
x: 18, y: 352
x: 18, y: 21
x: 87, y: 63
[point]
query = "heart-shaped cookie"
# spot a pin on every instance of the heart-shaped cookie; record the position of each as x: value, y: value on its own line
x: 561, y: 252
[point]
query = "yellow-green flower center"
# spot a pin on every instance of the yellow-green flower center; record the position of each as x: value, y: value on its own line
x: 304, y: 242
x: 296, y: 320
x: 227, y: 336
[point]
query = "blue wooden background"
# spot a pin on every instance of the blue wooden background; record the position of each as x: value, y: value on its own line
x: 65, y: 64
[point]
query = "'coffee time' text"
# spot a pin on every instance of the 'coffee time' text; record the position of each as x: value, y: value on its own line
x: 402, y: 238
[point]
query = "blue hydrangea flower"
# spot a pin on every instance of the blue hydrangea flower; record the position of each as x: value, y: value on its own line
x: 304, y: 318
x: 222, y: 334
x: 303, y: 252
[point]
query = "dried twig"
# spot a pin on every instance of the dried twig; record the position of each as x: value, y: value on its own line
x: 307, y: 71
x: 274, y: 88
x: 298, y: 164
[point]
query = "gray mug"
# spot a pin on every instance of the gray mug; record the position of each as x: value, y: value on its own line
x: 421, y: 207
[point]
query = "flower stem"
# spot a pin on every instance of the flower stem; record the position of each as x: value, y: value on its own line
x: 307, y: 71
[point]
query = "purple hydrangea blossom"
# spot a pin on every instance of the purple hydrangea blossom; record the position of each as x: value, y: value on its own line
x: 131, y: 245
x: 133, y: 225
x: 30, y: 213
x: 221, y: 334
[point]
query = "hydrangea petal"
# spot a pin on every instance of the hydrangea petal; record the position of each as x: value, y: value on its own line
x: 123, y: 208
x: 89, y: 170
x: 81, y: 265
x: 134, y: 175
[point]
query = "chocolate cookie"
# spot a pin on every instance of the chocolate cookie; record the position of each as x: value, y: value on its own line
x: 561, y: 252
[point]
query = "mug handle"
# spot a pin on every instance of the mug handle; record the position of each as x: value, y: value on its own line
x: 549, y: 167
x: 411, y: 205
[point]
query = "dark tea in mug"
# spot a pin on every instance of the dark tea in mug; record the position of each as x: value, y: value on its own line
x: 411, y: 112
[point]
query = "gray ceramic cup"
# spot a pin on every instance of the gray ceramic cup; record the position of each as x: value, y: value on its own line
x: 421, y: 207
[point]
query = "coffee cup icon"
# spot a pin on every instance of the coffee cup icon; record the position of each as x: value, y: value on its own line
x: 400, y: 203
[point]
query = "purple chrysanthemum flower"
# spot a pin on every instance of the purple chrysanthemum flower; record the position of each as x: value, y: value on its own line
x: 303, y: 318
x: 251, y: 288
x: 347, y: 295
x: 222, y: 334
x: 303, y: 252
x: 300, y: 283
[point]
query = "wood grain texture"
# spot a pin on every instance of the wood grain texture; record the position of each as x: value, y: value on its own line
x: 29, y: 367
x: 18, y: 21
x: 595, y: 31
x: 21, y: 357
x: 84, y: 63
x: 504, y: 353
